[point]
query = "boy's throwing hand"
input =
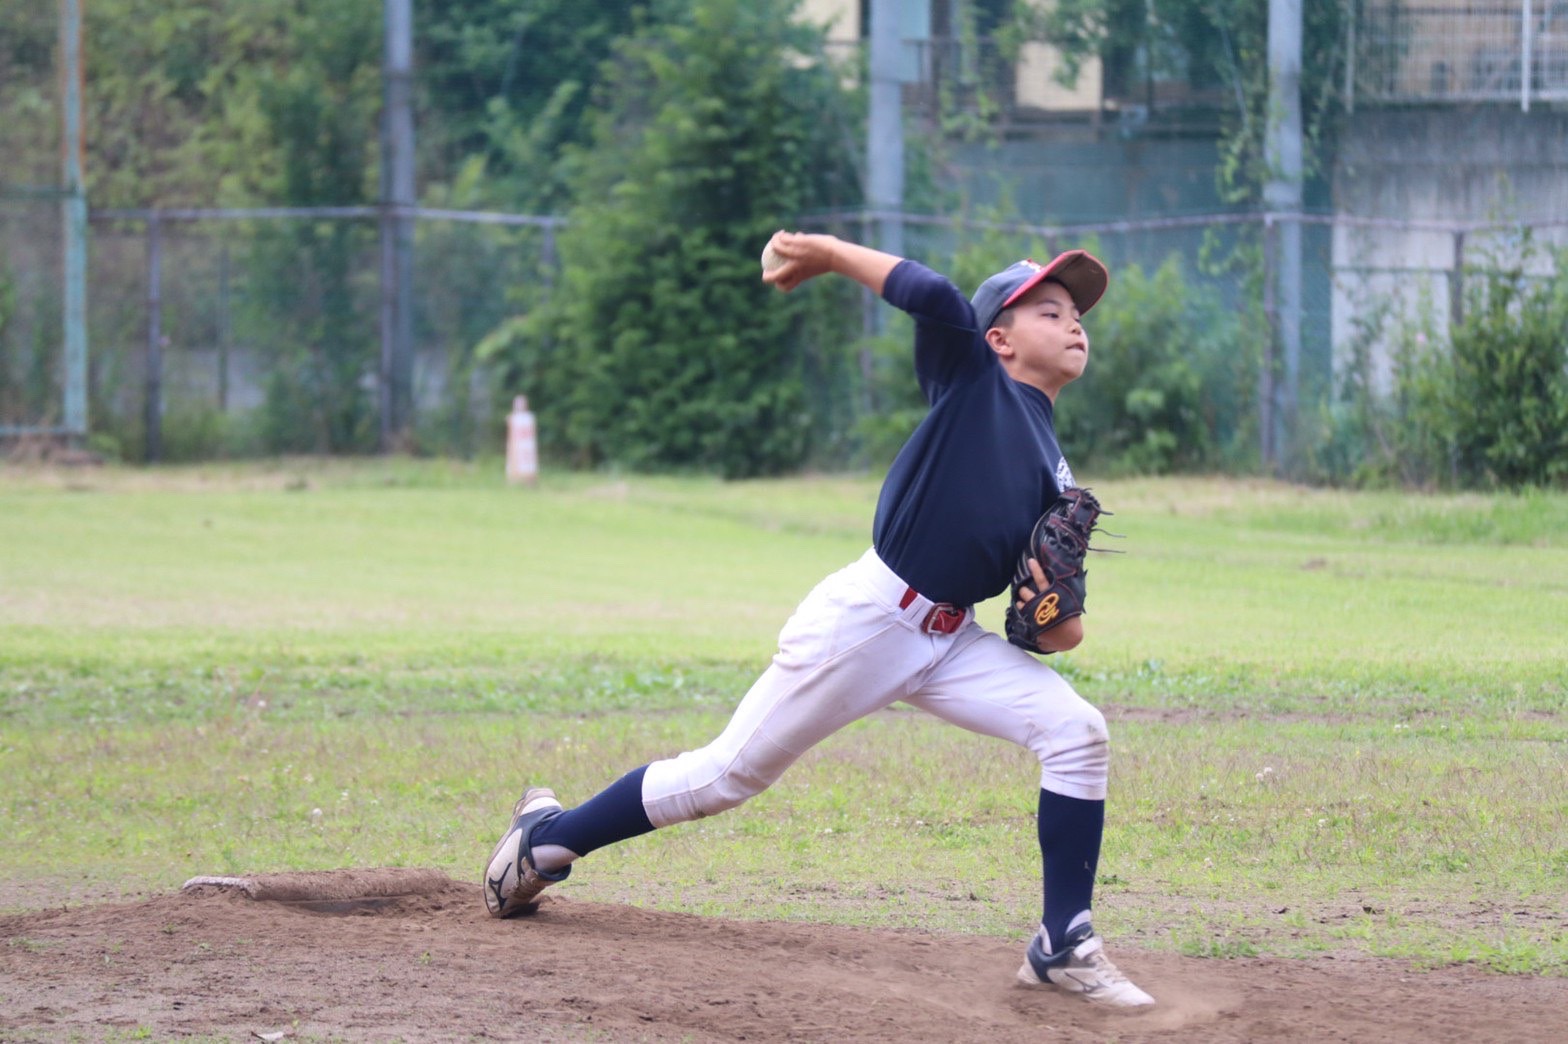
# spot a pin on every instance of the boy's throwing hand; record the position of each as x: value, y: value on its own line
x: 796, y: 257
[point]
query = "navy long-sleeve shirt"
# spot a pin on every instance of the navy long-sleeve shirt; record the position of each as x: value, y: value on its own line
x: 963, y: 494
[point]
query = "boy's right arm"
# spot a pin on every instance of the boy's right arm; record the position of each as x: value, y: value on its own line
x: 945, y: 345
x: 807, y: 256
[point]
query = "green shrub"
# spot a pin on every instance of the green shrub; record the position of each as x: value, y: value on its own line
x: 1353, y: 437
x: 1483, y: 405
x: 1167, y: 382
x: 29, y: 354
x: 194, y: 431
x: 1503, y: 390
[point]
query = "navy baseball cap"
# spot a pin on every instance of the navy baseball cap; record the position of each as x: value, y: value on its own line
x: 1078, y: 270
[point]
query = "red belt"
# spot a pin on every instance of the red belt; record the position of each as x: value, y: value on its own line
x: 944, y: 617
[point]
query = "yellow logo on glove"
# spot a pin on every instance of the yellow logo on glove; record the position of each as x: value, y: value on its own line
x: 1047, y: 610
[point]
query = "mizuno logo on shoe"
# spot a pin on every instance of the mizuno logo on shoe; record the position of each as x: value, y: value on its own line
x: 496, y: 885
x: 1083, y: 984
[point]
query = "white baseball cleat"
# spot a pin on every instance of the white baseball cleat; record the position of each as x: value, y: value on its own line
x: 1081, y: 967
x: 511, y: 882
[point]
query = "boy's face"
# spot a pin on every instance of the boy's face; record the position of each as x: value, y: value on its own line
x: 1041, y: 340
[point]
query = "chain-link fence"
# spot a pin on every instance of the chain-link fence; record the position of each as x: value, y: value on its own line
x: 211, y: 331
x: 31, y: 357
x: 206, y: 327
x: 201, y: 322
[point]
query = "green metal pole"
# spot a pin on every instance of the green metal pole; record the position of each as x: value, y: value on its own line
x: 153, y: 401
x: 1282, y: 195
x: 397, y: 228
x: 74, y: 213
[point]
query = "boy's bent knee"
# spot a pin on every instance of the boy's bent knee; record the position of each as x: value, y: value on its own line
x: 1077, y: 759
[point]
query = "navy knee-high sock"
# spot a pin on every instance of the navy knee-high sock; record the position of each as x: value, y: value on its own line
x: 1070, y: 831
x: 614, y: 814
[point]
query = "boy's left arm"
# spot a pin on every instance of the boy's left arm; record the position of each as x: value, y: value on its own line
x: 1048, y: 585
x: 1064, y: 636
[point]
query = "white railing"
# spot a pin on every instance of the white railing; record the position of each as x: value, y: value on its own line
x: 1439, y: 51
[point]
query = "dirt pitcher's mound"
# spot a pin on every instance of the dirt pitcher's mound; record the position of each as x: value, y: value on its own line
x: 427, y: 964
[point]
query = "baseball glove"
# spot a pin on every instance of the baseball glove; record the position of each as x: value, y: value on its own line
x: 1059, y: 542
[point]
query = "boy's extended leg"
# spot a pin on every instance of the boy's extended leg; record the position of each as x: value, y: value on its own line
x: 539, y: 847
x: 848, y: 650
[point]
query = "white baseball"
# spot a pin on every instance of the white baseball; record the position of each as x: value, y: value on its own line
x: 771, y: 259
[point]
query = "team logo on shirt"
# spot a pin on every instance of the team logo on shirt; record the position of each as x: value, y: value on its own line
x: 1064, y: 475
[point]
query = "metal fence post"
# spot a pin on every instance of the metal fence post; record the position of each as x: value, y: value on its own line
x: 1282, y: 195
x: 1526, y: 45
x: 1266, y: 445
x: 225, y: 328
x: 1352, y: 10
x: 153, y: 405
x: 885, y: 136
x: 74, y: 214
x: 547, y: 260
x: 868, y: 330
x: 397, y: 226
x: 1456, y: 285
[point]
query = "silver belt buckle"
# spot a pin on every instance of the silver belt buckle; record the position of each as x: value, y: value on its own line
x: 944, y: 618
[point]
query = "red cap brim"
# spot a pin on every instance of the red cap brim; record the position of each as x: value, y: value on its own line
x: 1078, y: 270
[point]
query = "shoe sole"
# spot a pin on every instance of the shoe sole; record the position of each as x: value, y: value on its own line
x: 508, y: 906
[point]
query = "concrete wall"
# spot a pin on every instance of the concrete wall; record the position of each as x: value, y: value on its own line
x: 1455, y: 164
x: 1449, y: 166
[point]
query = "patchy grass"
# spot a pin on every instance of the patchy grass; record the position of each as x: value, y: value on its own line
x: 1340, y: 719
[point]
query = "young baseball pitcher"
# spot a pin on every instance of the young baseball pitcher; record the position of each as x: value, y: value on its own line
x: 956, y: 524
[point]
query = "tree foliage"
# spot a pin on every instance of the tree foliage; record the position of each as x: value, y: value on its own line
x: 317, y: 111
x: 228, y: 103
x: 661, y: 347
x: 174, y: 94
x: 1507, y: 381
x: 509, y: 84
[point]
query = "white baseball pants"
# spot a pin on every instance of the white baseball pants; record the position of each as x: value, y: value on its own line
x: 850, y: 649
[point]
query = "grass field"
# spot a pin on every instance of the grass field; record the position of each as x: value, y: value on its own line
x: 1340, y: 720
